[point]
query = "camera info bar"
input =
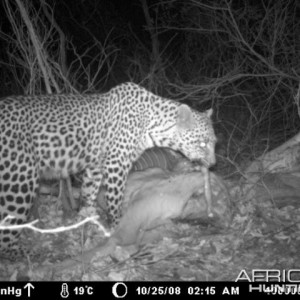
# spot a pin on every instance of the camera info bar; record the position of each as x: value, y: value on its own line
x: 141, y: 290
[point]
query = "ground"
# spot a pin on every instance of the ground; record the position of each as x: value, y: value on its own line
x: 259, y: 237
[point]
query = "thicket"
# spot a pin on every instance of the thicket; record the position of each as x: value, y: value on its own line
x: 241, y: 57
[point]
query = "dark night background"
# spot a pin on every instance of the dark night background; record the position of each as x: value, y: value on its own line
x: 241, y: 57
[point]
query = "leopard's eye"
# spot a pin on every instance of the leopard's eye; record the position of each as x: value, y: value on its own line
x: 202, y: 144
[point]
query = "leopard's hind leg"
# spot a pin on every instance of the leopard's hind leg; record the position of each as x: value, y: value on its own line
x: 18, y: 188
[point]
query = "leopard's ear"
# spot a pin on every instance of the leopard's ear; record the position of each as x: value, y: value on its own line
x: 209, y: 112
x: 185, y: 118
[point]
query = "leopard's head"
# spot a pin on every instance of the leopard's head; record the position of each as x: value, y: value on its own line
x: 195, y: 136
x: 192, y: 134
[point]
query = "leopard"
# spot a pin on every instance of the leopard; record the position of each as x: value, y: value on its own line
x: 99, y: 135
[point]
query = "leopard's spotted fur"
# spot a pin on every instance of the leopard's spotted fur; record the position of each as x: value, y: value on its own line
x: 101, y: 134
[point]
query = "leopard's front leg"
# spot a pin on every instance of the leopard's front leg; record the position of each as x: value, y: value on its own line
x: 115, y: 179
x: 92, y: 179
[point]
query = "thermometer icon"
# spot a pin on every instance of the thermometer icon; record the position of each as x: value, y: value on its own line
x: 64, y: 291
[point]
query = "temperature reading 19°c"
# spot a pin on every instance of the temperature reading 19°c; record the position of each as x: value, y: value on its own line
x: 84, y: 290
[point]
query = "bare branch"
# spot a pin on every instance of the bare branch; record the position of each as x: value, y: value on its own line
x: 92, y: 219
